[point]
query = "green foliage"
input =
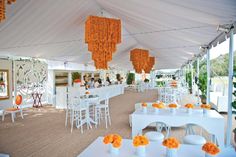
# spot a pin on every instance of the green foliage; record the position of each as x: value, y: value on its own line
x: 234, y: 94
x: 130, y: 78
x: 118, y: 77
x: 146, y: 80
x: 219, y: 65
x: 160, y: 83
x: 76, y: 75
x: 202, y: 83
x: 189, y: 79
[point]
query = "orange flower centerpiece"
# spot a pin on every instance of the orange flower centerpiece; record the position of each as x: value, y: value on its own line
x: 140, y: 143
x: 77, y: 82
x: 205, y: 108
x: 210, y: 149
x: 189, y: 108
x: 172, y: 144
x: 87, y: 94
x: 144, y: 107
x: 172, y: 108
x: 158, y: 106
x: 115, y: 141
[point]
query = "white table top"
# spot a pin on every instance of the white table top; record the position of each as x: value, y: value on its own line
x: 154, y: 149
x: 181, y: 112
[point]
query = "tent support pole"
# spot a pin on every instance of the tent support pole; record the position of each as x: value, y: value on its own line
x: 230, y: 88
x: 208, y: 75
x: 198, y: 100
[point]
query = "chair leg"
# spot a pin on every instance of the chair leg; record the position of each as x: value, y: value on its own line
x: 21, y: 113
x: 109, y: 117
x: 3, y: 116
x: 81, y: 122
x: 105, y: 117
x: 12, y: 117
x: 66, y: 117
x: 72, y: 122
x: 96, y: 117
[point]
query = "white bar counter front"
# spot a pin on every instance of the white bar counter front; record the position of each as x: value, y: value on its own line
x: 102, y: 92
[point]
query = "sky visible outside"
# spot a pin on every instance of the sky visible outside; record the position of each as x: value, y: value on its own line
x: 221, y: 49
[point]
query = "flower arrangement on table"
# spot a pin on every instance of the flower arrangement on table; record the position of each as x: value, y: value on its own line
x: 206, y: 106
x: 144, y: 104
x: 144, y: 107
x: 210, y: 149
x: 140, y: 142
x: 172, y: 144
x: 189, y: 106
x: 113, y: 139
x: 158, y: 105
x: 77, y: 81
x: 172, y: 106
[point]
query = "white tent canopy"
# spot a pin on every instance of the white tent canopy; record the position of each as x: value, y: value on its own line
x: 173, y: 30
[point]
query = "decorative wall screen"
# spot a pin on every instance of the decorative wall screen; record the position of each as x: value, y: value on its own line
x: 30, y: 76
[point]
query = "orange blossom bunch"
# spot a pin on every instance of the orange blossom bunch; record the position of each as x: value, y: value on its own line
x: 171, y: 143
x: 140, y: 141
x: 206, y: 106
x: 144, y: 105
x: 189, y: 106
x: 114, y: 139
x: 172, y: 106
x: 158, y: 105
x: 210, y: 148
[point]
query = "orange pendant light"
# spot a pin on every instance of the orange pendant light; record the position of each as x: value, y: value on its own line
x: 3, y: 8
x: 102, y: 34
x: 141, y: 60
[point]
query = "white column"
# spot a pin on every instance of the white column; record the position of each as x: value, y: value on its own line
x: 230, y: 88
x: 198, y: 100
x: 208, y: 75
x: 69, y: 79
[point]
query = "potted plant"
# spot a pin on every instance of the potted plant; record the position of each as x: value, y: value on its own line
x: 146, y: 80
x: 189, y: 81
x: 118, y: 77
x: 130, y: 78
x: 202, y: 85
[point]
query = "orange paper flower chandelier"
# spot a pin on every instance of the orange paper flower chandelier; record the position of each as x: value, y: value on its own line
x: 102, y: 34
x: 3, y: 8
x: 141, y: 60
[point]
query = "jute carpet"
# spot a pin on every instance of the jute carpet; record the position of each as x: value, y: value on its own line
x: 42, y: 132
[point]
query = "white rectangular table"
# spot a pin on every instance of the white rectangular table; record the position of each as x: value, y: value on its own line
x: 213, y: 122
x: 154, y: 149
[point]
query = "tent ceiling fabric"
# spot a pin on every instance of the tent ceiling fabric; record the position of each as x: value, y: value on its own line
x: 173, y: 30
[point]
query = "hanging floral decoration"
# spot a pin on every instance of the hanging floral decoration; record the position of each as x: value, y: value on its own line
x: 149, y: 65
x: 102, y: 34
x: 3, y: 8
x: 141, y: 60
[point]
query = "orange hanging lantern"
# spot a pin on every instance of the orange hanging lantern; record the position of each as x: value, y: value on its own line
x: 3, y: 8
x: 102, y: 34
x: 139, y: 58
x: 149, y: 65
